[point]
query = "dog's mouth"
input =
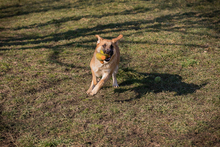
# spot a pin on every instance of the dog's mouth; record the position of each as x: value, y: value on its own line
x: 108, y: 59
x: 109, y: 56
x: 109, y: 51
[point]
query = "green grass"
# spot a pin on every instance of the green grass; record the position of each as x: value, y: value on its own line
x: 45, y: 50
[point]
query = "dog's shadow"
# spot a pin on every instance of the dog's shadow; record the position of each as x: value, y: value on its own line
x: 146, y: 83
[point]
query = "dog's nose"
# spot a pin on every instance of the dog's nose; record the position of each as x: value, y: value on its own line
x: 108, y: 51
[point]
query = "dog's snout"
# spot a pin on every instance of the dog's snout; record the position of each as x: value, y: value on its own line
x: 108, y: 51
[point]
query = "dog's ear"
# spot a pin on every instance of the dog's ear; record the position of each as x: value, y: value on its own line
x: 116, y: 39
x: 99, y: 39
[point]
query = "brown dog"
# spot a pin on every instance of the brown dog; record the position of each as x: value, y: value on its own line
x: 108, y: 67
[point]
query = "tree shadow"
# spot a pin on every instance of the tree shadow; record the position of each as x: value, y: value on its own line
x: 173, y: 4
x: 71, y: 34
x: 23, y: 8
x: 163, y: 23
x: 76, y: 18
x: 146, y: 84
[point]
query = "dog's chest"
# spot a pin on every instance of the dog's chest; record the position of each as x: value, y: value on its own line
x: 101, y: 69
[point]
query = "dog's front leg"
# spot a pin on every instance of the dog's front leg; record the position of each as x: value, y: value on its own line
x: 105, y: 77
x: 115, y: 83
x: 93, y: 83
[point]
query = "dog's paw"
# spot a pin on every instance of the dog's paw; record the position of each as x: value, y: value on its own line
x: 90, y: 93
x: 115, y: 86
x: 87, y: 92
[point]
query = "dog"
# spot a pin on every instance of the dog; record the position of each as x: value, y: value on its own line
x: 106, y: 68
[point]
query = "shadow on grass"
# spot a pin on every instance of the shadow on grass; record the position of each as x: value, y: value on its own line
x: 162, y: 23
x: 23, y: 8
x: 146, y: 84
x: 20, y: 8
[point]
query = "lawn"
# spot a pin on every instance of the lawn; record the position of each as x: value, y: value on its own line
x: 45, y: 50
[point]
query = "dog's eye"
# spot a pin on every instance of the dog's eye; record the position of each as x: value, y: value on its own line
x: 104, y: 45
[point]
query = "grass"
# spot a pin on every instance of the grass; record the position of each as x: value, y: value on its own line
x: 45, y: 50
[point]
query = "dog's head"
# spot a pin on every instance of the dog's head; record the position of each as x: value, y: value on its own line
x: 107, y: 46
